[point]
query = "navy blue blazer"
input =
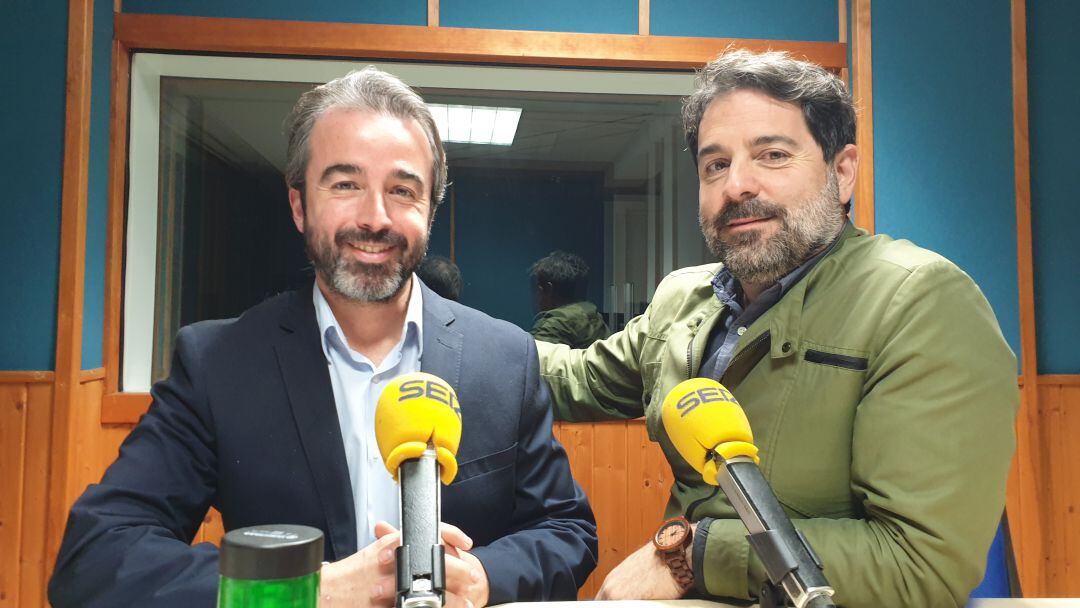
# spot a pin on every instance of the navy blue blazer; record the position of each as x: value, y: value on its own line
x: 246, y: 423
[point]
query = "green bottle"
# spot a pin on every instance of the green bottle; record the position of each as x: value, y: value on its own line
x: 275, y: 566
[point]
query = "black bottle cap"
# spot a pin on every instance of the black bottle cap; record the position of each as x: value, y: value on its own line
x: 271, y: 552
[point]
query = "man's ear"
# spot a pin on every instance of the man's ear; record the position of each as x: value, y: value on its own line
x: 296, y: 205
x: 846, y: 164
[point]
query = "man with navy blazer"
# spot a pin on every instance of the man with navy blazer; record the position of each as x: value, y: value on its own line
x: 268, y: 417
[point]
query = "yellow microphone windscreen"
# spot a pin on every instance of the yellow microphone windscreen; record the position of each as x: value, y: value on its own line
x: 414, y: 410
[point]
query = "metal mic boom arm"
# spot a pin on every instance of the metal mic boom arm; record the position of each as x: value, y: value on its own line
x: 794, y: 570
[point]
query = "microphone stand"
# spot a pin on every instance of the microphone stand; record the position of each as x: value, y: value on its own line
x: 421, y: 558
x: 794, y: 571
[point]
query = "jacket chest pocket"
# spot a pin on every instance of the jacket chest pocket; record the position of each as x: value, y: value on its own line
x: 810, y: 463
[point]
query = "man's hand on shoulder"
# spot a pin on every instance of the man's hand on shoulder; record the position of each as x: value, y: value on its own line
x: 642, y: 576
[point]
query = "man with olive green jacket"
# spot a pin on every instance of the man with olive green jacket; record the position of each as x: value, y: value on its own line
x: 879, y: 388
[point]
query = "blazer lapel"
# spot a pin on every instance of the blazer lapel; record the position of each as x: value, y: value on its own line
x: 442, y: 344
x: 307, y: 381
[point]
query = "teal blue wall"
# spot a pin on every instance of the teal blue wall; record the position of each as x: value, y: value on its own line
x: 943, y: 149
x: 594, y: 16
x: 97, y: 186
x: 33, y: 44
x: 496, y: 242
x: 767, y: 19
x: 390, y: 12
x: 1053, y: 105
x: 942, y: 135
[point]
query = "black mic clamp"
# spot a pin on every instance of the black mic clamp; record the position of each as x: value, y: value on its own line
x: 795, y: 573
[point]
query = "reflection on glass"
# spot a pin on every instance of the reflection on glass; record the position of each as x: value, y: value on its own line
x: 605, y: 177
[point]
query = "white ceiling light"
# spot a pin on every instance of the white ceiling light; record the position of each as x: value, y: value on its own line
x: 476, y: 124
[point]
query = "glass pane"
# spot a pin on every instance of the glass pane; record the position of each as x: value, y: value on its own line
x: 605, y: 177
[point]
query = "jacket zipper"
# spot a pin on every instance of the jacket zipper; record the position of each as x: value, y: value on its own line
x: 689, y: 369
x: 748, y: 348
x: 690, y: 356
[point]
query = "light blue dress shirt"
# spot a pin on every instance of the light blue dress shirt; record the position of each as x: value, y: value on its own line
x: 357, y: 384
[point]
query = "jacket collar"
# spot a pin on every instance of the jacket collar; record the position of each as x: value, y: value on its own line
x: 311, y: 396
x: 307, y: 382
x: 442, y: 342
x: 784, y: 319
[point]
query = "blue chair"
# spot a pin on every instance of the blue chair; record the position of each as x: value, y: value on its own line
x: 1000, y: 579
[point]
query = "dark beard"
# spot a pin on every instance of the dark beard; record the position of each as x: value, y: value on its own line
x: 360, y: 281
x: 804, y: 230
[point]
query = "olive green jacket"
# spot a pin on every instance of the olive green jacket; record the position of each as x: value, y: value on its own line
x: 577, y: 325
x: 881, y: 394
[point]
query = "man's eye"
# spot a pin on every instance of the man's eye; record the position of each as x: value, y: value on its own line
x: 344, y: 186
x: 775, y: 155
x: 403, y: 192
x: 716, y: 166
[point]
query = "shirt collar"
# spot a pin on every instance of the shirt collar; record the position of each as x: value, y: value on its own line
x: 330, y: 332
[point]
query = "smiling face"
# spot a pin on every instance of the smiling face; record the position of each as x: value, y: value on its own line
x: 769, y: 200
x: 366, y: 208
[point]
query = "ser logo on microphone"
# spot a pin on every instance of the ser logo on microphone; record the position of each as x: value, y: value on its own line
x: 690, y: 401
x: 415, y: 389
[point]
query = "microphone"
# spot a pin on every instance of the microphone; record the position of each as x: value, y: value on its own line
x: 711, y: 432
x: 418, y: 430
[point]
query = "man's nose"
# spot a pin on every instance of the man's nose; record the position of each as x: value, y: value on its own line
x: 372, y: 213
x: 742, y: 183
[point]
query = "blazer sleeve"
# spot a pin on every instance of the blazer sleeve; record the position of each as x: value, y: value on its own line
x: 127, y: 540
x: 552, y: 548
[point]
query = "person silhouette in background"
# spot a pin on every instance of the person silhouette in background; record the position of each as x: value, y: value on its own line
x: 559, y: 281
x: 442, y: 276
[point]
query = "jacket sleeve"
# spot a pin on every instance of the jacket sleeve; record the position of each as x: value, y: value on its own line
x: 127, y: 540
x: 933, y: 439
x: 552, y: 548
x: 601, y: 382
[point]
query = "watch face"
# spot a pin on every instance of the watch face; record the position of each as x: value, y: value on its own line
x: 671, y: 535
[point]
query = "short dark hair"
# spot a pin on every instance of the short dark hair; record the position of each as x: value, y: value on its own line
x: 825, y: 101
x: 565, y: 272
x: 442, y: 276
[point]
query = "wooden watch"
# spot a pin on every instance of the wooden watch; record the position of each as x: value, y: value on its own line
x: 672, y: 540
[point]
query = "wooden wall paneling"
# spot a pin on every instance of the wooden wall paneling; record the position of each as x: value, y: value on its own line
x: 13, y: 419
x: 609, y: 495
x: 1054, y: 499
x: 114, y: 232
x: 578, y: 441
x: 90, y: 451
x: 25, y: 414
x: 72, y: 265
x: 1027, y: 502
x: 1059, y: 407
x: 34, y: 559
x: 25, y: 377
x: 648, y: 484
x: 862, y: 81
x: 1070, y: 403
x: 124, y: 408
x: 213, y: 528
x: 274, y: 37
x: 1062, y: 379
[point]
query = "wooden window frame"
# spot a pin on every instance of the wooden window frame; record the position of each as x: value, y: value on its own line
x: 168, y: 33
